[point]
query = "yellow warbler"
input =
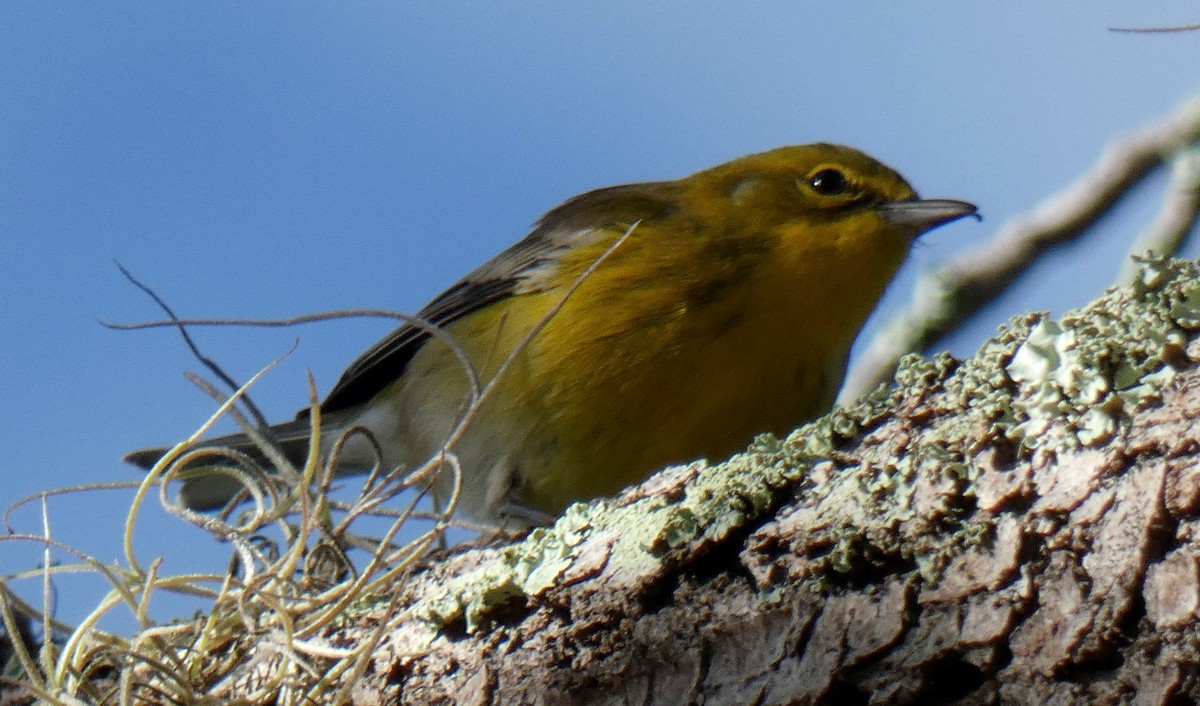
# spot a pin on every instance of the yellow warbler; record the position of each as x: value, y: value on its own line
x: 728, y: 310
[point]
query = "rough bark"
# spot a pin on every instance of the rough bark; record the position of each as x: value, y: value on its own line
x: 1022, y: 527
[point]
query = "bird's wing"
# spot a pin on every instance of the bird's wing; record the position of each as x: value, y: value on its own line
x: 517, y: 270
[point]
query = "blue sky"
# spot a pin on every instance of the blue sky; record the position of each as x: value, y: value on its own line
x: 267, y: 160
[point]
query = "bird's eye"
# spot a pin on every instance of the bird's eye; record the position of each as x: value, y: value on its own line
x: 828, y: 182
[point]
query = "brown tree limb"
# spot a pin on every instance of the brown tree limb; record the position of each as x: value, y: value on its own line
x: 1019, y: 527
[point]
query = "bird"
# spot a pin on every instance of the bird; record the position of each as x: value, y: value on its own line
x: 667, y: 322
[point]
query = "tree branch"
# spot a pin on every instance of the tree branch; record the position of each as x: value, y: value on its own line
x: 1023, y: 526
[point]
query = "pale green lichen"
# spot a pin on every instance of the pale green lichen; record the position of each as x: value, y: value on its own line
x: 1185, y: 306
x: 1042, y: 383
x: 725, y: 496
x: 1085, y: 373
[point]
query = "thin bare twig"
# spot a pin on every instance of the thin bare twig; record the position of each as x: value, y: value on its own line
x: 1155, y: 30
x: 207, y: 362
x: 947, y: 297
x: 433, y: 330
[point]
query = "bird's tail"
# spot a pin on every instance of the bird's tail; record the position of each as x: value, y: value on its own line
x: 214, y: 490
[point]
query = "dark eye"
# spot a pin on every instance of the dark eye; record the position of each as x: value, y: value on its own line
x: 828, y: 182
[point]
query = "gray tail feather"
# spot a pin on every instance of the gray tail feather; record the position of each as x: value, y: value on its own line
x: 213, y: 491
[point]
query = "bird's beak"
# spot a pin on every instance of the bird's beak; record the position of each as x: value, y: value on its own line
x: 921, y: 215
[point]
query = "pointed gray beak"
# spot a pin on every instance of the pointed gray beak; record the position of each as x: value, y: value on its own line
x: 926, y: 214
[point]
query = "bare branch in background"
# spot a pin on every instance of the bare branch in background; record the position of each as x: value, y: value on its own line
x: 1177, y: 217
x: 1156, y: 30
x: 944, y: 299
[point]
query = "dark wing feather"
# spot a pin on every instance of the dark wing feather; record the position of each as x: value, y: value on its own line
x: 384, y: 362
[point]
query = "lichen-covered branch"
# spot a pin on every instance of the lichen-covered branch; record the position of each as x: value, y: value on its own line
x: 945, y: 298
x: 1019, y: 527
